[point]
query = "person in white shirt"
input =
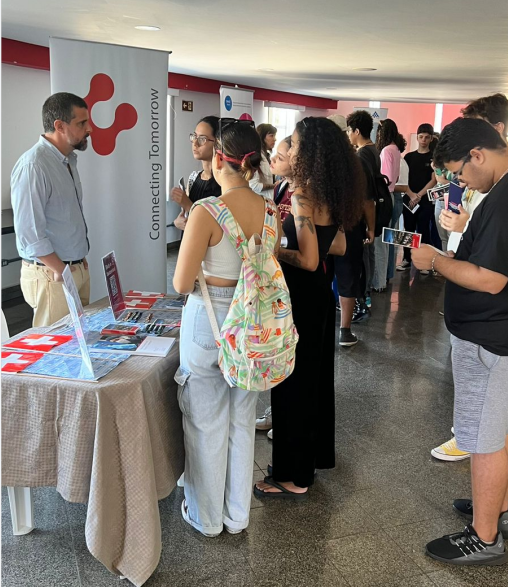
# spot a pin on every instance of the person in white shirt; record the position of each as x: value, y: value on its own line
x: 262, y: 182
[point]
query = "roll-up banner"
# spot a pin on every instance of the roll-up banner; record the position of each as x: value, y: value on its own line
x: 123, y: 171
x: 236, y: 103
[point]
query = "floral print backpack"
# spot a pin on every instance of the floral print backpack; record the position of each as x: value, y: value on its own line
x: 258, y: 338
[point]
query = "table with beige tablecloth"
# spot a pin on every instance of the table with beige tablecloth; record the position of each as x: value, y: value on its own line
x: 116, y: 444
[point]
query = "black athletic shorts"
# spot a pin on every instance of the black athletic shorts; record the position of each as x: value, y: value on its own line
x: 348, y: 269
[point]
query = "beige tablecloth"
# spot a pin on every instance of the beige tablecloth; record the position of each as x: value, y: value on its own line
x: 116, y: 444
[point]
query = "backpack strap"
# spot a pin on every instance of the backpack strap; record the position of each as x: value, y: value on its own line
x: 192, y: 178
x: 225, y: 219
x: 270, y: 228
x: 208, y: 305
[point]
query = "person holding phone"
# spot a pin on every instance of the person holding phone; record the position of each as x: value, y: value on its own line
x: 476, y: 314
x: 201, y: 184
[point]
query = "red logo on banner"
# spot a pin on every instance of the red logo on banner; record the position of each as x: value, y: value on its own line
x: 102, y: 89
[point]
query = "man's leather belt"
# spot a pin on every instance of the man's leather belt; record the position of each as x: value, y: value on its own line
x: 32, y: 262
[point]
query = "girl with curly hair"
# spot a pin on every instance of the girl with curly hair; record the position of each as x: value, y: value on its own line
x: 329, y: 188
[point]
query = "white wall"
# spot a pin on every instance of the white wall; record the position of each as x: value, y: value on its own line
x: 314, y: 112
x: 24, y: 91
x: 23, y: 94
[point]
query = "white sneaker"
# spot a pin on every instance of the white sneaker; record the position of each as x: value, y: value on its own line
x: 270, y: 434
x: 186, y: 517
x: 265, y: 422
x: 403, y: 265
x: 181, y: 481
x: 232, y: 530
x: 448, y: 451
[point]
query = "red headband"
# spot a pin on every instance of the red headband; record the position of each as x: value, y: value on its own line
x: 232, y: 160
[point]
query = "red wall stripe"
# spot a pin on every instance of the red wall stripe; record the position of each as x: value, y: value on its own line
x: 191, y: 83
x: 25, y: 54
x: 37, y: 57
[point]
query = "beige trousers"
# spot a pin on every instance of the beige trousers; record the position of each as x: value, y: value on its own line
x: 46, y: 296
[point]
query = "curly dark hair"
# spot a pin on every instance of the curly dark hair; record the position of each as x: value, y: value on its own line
x: 401, y: 143
x: 361, y: 120
x: 387, y: 133
x: 330, y: 170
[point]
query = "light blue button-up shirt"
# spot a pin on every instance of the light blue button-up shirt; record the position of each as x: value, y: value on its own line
x: 47, y: 204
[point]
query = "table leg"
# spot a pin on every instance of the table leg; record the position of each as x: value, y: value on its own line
x: 22, y: 510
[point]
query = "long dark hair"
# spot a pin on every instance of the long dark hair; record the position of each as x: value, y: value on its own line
x: 328, y: 169
x: 401, y: 143
x: 387, y: 133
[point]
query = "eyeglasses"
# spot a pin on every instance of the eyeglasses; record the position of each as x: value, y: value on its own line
x: 458, y: 173
x: 201, y: 139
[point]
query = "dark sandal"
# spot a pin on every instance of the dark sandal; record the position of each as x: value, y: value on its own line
x: 284, y: 493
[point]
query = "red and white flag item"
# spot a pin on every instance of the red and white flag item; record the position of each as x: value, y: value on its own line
x: 38, y: 342
x: 13, y: 362
x: 138, y: 303
x: 132, y: 293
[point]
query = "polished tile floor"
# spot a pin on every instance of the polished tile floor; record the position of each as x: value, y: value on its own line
x: 366, y: 522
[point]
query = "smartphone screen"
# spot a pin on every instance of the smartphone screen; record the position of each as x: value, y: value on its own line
x: 454, y: 197
x: 402, y: 238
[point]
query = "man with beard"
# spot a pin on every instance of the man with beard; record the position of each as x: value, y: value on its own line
x: 46, y: 194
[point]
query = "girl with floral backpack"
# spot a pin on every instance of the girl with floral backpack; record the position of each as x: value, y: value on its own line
x: 223, y: 350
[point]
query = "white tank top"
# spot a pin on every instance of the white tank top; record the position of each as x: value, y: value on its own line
x: 222, y: 260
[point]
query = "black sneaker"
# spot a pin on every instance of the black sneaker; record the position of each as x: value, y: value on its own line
x: 465, y: 548
x: 346, y: 337
x: 464, y: 507
x: 361, y: 312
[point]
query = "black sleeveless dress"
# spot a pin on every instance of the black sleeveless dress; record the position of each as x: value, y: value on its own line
x: 303, y: 406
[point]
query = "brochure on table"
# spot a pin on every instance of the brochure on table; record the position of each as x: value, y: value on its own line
x: 56, y: 355
x: 151, y: 305
x: 48, y: 356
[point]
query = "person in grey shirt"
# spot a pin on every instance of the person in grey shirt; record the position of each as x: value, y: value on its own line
x: 49, y: 223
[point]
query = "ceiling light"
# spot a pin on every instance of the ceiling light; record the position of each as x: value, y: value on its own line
x: 364, y: 68
x: 145, y: 27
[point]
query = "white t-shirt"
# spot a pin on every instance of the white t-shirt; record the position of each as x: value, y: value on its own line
x: 470, y: 201
x: 404, y: 173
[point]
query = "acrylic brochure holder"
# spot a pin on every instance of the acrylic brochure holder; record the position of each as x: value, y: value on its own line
x: 78, y: 321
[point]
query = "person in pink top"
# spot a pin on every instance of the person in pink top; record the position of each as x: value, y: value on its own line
x: 386, y: 144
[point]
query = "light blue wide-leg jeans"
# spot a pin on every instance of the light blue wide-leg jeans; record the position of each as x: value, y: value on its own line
x: 218, y: 423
